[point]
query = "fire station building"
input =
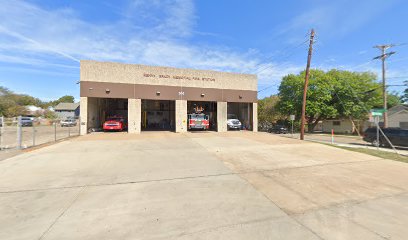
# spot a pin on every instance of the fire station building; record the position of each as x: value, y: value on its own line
x: 160, y: 98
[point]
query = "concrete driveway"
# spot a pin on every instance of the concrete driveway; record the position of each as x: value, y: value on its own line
x: 235, y: 185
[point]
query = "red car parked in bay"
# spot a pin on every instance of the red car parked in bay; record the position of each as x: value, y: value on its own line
x: 114, y: 123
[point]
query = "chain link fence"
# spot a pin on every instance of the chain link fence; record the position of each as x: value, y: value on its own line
x: 25, y: 132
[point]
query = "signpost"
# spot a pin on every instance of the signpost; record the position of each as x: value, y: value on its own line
x: 292, y: 118
x: 376, y: 113
x: 19, y: 133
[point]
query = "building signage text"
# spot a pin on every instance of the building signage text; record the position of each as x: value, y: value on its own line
x: 150, y: 75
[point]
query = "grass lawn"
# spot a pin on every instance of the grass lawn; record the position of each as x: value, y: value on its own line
x: 377, y: 153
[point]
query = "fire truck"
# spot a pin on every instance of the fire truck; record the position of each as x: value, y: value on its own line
x: 198, y: 120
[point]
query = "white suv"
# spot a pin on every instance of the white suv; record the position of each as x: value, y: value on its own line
x: 233, y: 122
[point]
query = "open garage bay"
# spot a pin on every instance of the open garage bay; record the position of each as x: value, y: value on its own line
x: 234, y: 185
x: 242, y: 112
x: 102, y: 109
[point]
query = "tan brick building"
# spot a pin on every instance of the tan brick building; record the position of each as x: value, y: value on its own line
x: 160, y: 98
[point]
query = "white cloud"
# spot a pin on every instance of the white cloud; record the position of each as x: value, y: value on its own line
x: 34, y: 36
x: 336, y: 18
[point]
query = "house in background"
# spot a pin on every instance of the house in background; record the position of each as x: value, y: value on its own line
x: 344, y: 126
x: 398, y: 117
x: 67, y: 110
x: 32, y: 110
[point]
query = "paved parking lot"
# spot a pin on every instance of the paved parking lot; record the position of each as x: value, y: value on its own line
x: 235, y: 185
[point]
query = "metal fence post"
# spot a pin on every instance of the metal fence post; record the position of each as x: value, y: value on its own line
x: 19, y: 133
x: 1, y: 132
x: 378, y: 131
x: 33, y: 134
x: 55, y: 131
x: 292, y: 128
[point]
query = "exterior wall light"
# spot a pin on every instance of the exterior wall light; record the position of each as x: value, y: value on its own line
x: 240, y: 97
x: 157, y: 93
x: 107, y: 91
x: 90, y: 89
x: 202, y: 94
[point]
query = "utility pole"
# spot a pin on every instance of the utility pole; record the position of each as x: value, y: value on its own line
x: 309, y: 59
x: 384, y: 56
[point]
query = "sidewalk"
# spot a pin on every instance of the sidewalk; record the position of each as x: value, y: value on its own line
x: 344, y: 141
x: 8, y: 153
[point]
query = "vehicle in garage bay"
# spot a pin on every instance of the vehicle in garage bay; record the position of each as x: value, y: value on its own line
x: 114, y: 123
x: 198, y: 121
x: 233, y: 122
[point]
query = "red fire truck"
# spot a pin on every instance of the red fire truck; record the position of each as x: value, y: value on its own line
x: 198, y: 120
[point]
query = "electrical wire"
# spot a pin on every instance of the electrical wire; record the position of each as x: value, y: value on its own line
x: 274, y: 85
x: 266, y: 66
x: 273, y: 55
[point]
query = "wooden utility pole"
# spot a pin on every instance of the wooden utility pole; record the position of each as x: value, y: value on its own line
x: 383, y: 57
x: 309, y: 59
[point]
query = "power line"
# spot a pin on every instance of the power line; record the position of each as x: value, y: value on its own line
x: 280, y: 65
x: 273, y: 55
x: 398, y: 60
x: 285, y: 57
x: 399, y: 77
x: 266, y: 88
x: 274, y: 85
x: 282, y: 60
x: 267, y: 60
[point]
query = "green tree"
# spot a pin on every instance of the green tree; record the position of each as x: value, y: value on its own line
x: 12, y: 104
x: 66, y: 99
x: 63, y: 99
x: 405, y: 94
x: 50, y: 114
x: 15, y: 110
x: 267, y: 111
x: 4, y: 91
x: 332, y: 94
x: 393, y: 99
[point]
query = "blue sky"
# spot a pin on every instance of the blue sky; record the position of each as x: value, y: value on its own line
x: 42, y: 41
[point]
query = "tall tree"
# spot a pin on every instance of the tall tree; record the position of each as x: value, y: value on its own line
x: 63, y: 99
x: 267, y: 111
x: 332, y: 94
x: 393, y: 99
x: 12, y: 104
x: 405, y: 94
x: 66, y: 99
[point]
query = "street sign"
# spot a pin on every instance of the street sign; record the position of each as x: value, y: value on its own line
x: 292, y: 117
x: 377, y: 111
x: 381, y: 110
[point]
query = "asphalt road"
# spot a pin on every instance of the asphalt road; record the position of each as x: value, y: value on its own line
x: 235, y: 185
